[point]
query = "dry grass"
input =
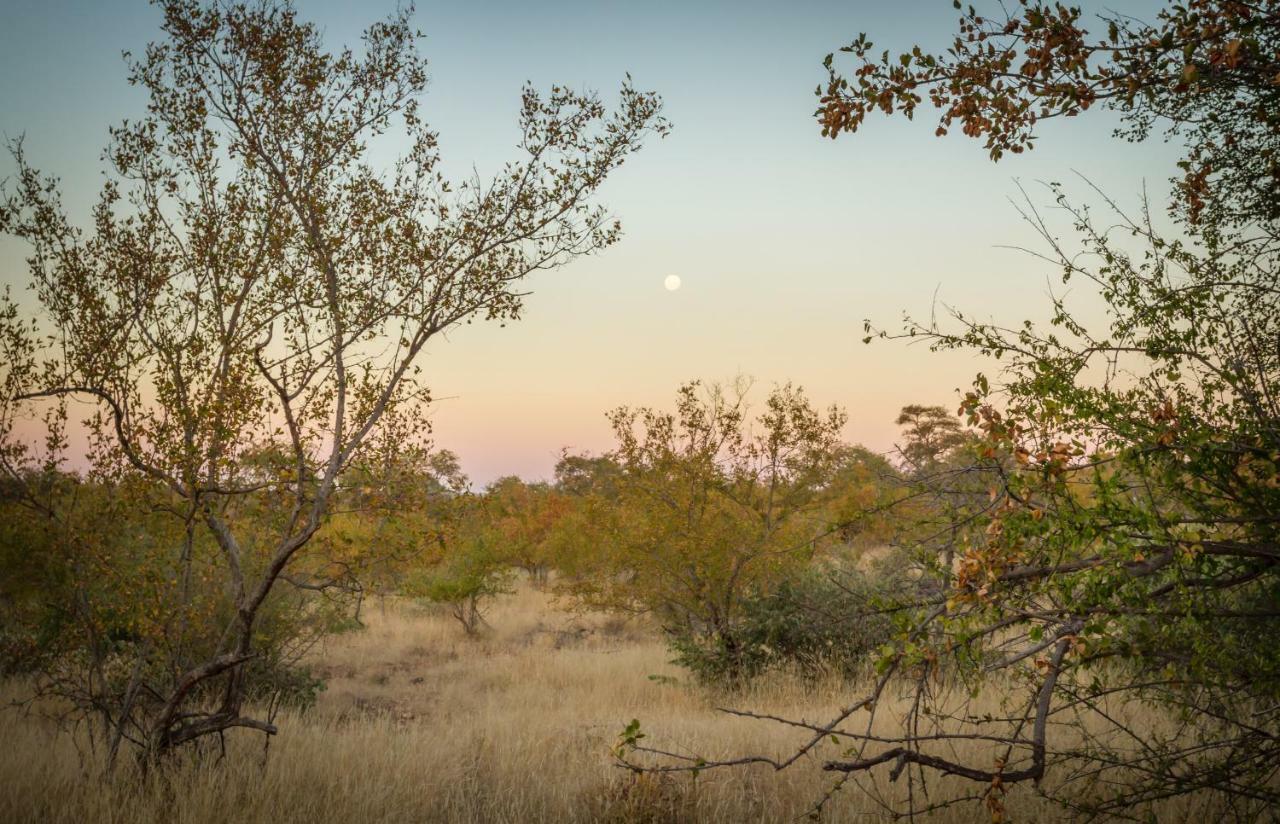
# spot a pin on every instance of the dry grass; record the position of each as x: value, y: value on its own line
x: 422, y: 724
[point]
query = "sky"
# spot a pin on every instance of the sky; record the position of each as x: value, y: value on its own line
x: 784, y: 241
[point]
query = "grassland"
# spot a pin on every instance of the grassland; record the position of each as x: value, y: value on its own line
x: 421, y: 724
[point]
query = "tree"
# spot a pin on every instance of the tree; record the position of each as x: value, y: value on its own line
x: 250, y: 281
x: 525, y: 516
x: 710, y: 507
x: 947, y: 473
x: 930, y: 435
x: 586, y: 474
x: 1122, y: 588
x: 474, y: 568
x: 397, y: 496
x: 863, y: 491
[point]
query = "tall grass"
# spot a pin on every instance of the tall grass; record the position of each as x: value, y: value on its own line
x: 420, y: 724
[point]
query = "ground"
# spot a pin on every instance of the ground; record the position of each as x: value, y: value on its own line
x: 420, y: 723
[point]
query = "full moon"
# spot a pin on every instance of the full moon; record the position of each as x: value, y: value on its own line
x: 672, y: 283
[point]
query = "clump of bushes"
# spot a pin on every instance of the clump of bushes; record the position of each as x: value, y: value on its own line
x: 816, y: 623
x: 466, y: 581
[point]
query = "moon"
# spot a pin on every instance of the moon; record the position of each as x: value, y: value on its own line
x: 672, y: 282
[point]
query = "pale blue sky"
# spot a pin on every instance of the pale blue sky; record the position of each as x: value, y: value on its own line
x: 784, y: 241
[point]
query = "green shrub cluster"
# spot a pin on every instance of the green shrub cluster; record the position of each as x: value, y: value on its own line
x: 815, y: 623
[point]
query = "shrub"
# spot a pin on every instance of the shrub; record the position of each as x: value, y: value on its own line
x: 815, y: 623
x: 472, y: 575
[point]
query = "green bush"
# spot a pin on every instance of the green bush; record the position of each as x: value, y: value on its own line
x: 475, y: 573
x: 815, y: 624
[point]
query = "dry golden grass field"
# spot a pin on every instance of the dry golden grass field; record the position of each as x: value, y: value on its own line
x: 421, y: 724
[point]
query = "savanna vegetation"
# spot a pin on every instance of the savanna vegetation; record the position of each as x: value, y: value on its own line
x: 265, y: 593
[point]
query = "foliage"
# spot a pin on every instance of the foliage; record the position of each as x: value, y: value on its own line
x: 1120, y: 583
x: 861, y: 493
x: 1129, y: 550
x: 709, y: 507
x: 945, y: 500
x: 582, y: 475
x: 95, y: 610
x: 524, y: 517
x: 812, y: 623
x: 1134, y: 539
x: 1205, y: 69
x: 398, y: 497
x: 931, y: 435
x: 474, y: 570
x: 249, y: 286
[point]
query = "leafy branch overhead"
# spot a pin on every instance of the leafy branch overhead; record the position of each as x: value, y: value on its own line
x: 1206, y: 71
